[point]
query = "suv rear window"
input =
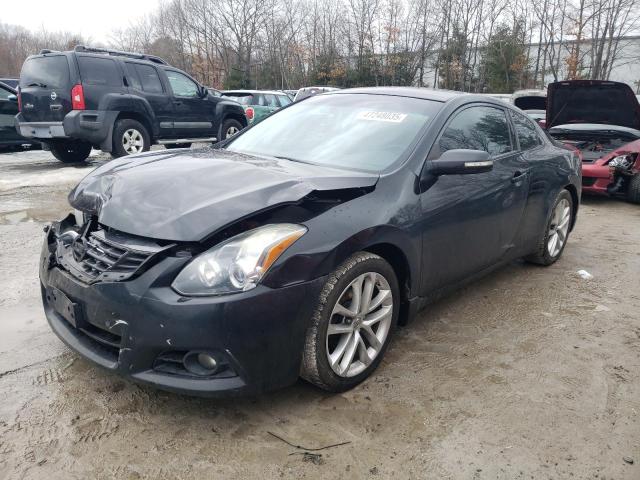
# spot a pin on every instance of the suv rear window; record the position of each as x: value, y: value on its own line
x: 52, y: 72
x: 241, y: 98
x: 99, y: 71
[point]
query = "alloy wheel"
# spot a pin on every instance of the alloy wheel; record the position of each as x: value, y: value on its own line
x: 559, y: 227
x: 359, y: 324
x: 132, y: 141
x: 231, y: 131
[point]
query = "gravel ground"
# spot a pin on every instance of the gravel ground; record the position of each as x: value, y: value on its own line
x: 530, y: 373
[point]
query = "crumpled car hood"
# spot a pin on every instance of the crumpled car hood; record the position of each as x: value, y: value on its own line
x: 189, y: 195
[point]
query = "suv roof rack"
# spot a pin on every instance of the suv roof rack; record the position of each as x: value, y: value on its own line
x: 46, y: 50
x: 118, y: 53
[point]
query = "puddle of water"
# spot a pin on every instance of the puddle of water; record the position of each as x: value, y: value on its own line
x: 55, y: 209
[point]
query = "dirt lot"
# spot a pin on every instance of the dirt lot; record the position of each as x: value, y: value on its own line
x: 529, y: 373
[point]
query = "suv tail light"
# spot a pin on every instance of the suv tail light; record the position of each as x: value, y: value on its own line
x: 77, y: 98
x: 19, y: 95
x: 249, y: 113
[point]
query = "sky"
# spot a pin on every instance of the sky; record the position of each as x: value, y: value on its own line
x: 93, y: 19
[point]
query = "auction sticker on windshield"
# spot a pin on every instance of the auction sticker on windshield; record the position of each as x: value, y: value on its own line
x: 393, y: 117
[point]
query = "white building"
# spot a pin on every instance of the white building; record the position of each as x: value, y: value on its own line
x: 626, y: 67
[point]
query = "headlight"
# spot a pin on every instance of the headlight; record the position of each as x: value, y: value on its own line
x: 237, y: 264
x: 621, y: 161
x: 79, y: 216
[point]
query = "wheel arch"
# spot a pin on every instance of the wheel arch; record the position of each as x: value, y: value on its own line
x: 137, y: 116
x: 576, y: 202
x: 235, y: 116
x: 400, y: 264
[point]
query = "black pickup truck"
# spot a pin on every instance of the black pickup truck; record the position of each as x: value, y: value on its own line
x: 119, y: 102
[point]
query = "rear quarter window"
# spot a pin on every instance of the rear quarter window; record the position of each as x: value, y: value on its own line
x: 526, y: 131
x: 99, y: 71
x: 240, y: 98
x: 148, y: 78
x: 53, y: 72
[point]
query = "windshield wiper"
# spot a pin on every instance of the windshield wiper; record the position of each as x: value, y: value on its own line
x: 37, y: 84
x: 292, y: 159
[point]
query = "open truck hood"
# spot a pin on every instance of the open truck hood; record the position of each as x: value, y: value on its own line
x: 592, y: 101
x: 189, y: 195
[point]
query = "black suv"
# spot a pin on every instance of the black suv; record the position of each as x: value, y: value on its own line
x: 118, y: 102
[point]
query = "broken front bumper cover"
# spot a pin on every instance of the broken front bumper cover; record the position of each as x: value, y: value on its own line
x: 136, y: 327
x: 596, y: 178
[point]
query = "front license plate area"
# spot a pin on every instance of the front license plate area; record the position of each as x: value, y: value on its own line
x: 63, y: 305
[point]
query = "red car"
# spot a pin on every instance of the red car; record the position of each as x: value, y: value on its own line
x: 602, y: 120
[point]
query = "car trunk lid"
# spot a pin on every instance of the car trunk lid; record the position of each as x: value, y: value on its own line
x: 45, y: 88
x: 592, y: 101
x: 530, y: 99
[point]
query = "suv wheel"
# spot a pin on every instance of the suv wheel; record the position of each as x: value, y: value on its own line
x: 230, y: 127
x: 356, y: 314
x: 130, y: 137
x: 70, y: 151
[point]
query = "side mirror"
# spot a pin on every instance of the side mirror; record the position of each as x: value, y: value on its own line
x: 203, y: 92
x: 13, y: 98
x: 460, y: 162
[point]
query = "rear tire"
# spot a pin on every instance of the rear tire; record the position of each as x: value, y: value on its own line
x: 129, y: 137
x: 229, y: 128
x: 350, y: 331
x: 556, y: 232
x: 633, y: 191
x: 171, y: 146
x: 70, y: 151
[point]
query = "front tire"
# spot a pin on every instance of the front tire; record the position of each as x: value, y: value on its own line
x: 70, y: 151
x: 353, y: 323
x: 130, y: 137
x: 556, y: 234
x: 633, y: 190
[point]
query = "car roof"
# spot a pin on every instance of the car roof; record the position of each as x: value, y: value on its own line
x: 438, y: 95
x: 272, y: 92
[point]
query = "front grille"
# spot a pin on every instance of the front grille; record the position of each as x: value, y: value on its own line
x: 103, y: 256
x: 106, y: 255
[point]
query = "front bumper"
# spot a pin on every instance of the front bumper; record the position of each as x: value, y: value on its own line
x: 596, y: 178
x: 127, y: 326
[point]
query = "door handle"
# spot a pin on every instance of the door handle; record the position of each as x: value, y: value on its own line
x: 177, y: 102
x: 518, y: 176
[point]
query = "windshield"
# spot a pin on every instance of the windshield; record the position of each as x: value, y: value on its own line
x: 363, y: 132
x: 45, y: 72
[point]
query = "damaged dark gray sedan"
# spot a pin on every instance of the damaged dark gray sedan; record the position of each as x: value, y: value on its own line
x: 295, y: 248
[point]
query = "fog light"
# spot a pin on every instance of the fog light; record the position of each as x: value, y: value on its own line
x: 207, y: 361
x: 201, y: 363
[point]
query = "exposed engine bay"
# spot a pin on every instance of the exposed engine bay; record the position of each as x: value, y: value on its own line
x: 592, y: 146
